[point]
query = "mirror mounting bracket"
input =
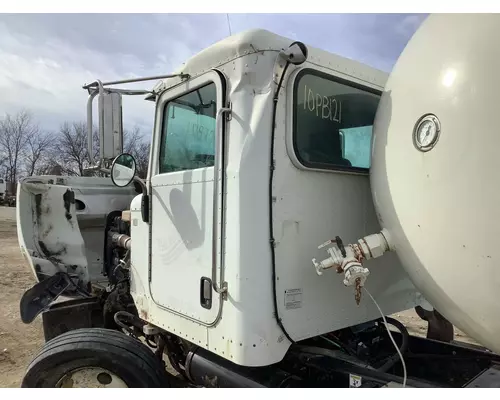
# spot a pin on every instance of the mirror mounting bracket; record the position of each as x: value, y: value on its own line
x: 111, y: 135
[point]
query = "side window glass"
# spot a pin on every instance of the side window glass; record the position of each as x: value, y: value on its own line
x: 188, y: 133
x: 333, y: 122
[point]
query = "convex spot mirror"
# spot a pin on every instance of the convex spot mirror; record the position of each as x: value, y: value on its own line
x: 123, y: 170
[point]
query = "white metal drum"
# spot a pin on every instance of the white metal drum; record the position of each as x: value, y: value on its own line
x: 435, y: 180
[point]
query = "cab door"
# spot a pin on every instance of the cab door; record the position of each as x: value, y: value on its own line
x: 185, y: 247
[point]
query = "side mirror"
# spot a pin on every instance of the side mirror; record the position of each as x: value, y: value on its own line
x: 123, y: 170
x: 110, y: 125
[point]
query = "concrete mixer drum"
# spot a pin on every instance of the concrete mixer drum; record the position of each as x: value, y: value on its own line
x: 434, y: 164
x: 434, y: 161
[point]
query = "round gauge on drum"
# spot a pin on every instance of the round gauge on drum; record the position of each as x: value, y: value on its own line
x: 426, y: 132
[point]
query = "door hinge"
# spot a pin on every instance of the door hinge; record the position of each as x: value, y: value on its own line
x: 224, y: 290
x: 229, y: 114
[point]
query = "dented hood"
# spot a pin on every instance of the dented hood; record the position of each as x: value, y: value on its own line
x: 61, y: 222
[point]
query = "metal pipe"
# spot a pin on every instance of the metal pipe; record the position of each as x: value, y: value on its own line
x: 133, y: 80
x: 215, y: 222
x: 129, y: 92
x: 101, y: 120
x: 122, y: 240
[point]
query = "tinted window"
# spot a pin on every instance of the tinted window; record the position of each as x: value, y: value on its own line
x: 333, y: 122
x: 188, y: 137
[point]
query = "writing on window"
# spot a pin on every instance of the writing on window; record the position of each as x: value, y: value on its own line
x: 333, y: 122
x: 188, y: 136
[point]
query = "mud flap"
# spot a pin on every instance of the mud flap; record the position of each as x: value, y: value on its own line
x: 43, y: 294
x: 65, y: 316
x: 438, y: 327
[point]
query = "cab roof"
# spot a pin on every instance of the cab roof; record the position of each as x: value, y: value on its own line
x: 259, y: 41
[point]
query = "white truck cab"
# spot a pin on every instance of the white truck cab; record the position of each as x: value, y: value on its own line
x: 261, y: 150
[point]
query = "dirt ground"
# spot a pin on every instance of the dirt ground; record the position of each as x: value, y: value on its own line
x: 19, y: 342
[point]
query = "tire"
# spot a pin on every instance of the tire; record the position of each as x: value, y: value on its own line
x: 93, y: 349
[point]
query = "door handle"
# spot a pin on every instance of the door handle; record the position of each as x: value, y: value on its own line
x: 206, y: 293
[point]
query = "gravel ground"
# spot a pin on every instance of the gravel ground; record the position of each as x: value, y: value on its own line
x: 19, y: 342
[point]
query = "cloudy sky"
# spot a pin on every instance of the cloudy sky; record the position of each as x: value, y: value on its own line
x: 45, y: 58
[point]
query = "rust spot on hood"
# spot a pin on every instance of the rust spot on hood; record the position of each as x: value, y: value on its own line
x: 144, y: 314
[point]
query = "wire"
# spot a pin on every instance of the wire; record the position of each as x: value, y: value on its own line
x: 332, y: 342
x: 271, y: 206
x: 390, y: 335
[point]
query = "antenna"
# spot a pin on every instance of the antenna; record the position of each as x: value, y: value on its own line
x: 229, y: 24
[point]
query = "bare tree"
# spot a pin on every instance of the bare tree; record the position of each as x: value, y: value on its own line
x: 134, y: 144
x: 14, y: 134
x: 24, y: 148
x: 141, y: 155
x: 131, y: 139
x: 73, y: 149
x: 50, y: 166
x: 37, y: 151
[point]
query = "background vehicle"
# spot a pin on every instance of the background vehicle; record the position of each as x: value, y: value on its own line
x: 3, y: 190
x: 264, y: 148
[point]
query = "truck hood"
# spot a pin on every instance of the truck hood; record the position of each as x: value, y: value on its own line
x: 61, y: 223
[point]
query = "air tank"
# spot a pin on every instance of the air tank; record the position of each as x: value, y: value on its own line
x: 435, y: 172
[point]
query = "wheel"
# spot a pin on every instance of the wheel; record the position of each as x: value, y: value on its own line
x: 95, y: 357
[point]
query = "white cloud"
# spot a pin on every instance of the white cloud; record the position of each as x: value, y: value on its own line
x: 46, y: 58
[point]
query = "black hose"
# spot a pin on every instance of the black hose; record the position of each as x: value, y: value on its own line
x: 160, y: 347
x: 271, y: 231
x: 404, y: 345
x: 131, y: 318
x: 149, y: 343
